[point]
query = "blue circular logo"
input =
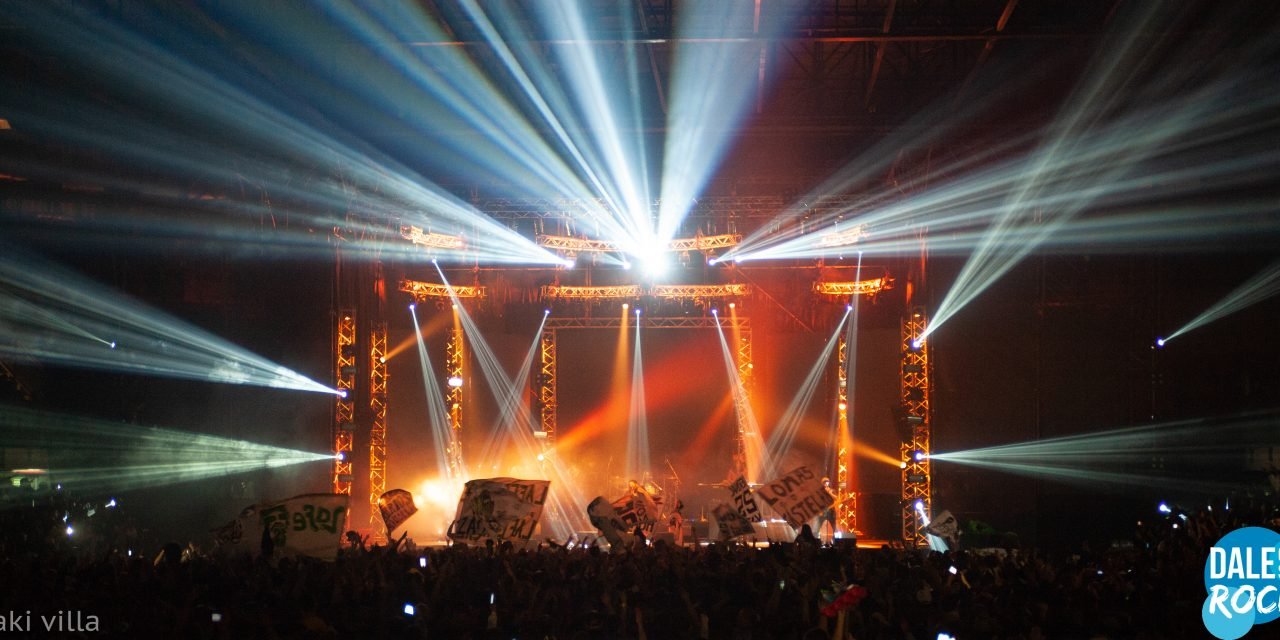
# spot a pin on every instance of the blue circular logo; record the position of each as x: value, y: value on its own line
x: 1242, y: 581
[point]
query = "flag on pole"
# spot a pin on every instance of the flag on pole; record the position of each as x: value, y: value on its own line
x: 396, y: 506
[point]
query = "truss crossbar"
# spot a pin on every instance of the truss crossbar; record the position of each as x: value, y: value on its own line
x: 424, y: 290
x: 648, y: 322
x: 857, y: 288
x: 430, y: 239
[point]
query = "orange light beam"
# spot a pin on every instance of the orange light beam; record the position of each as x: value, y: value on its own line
x: 435, y: 324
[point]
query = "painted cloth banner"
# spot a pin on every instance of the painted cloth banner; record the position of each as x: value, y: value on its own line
x: 731, y: 522
x: 498, y: 509
x: 242, y: 535
x: 743, y: 501
x: 945, y: 526
x: 396, y: 506
x: 605, y: 518
x: 637, y: 509
x: 305, y: 525
x: 799, y: 496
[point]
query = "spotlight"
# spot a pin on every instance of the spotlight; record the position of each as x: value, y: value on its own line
x: 382, y: 359
x: 433, y: 261
x: 626, y: 266
x: 919, y: 456
x: 715, y: 312
x: 902, y: 465
x: 541, y: 457
x: 342, y: 393
x: 711, y: 262
x: 412, y: 306
x: 340, y: 456
x: 454, y: 306
x: 848, y: 307
x: 113, y: 344
x: 917, y: 343
x: 455, y: 382
x: 733, y: 305
x: 920, y: 506
x: 70, y: 531
x: 546, y: 312
x: 1164, y: 508
x: 569, y: 264
x: 843, y: 406
x: 625, y: 306
x: 110, y: 503
x: 1159, y: 342
x: 409, y: 610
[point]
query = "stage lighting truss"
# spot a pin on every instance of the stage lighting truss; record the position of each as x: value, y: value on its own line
x: 345, y: 404
x: 843, y: 237
x: 846, y: 496
x: 378, y: 428
x: 422, y: 291
x: 855, y: 288
x: 574, y: 245
x: 664, y: 291
x: 547, y: 403
x: 453, y: 401
x: 430, y: 239
x: 564, y: 292
x: 917, y: 478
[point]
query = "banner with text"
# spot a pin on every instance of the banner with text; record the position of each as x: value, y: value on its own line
x: 396, y: 506
x: 731, y: 522
x: 743, y: 501
x: 799, y: 496
x: 306, y: 525
x: 498, y: 509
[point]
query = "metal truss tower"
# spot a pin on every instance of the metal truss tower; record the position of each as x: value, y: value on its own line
x: 547, y: 404
x: 378, y: 427
x: 453, y: 400
x: 345, y: 405
x: 742, y: 401
x: 917, y: 475
x: 846, y: 495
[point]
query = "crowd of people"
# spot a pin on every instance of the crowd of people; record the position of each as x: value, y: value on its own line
x: 1148, y: 587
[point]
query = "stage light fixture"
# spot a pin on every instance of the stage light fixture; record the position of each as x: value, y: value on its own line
x: 113, y: 345
x: 541, y: 457
x: 340, y: 456
x: 70, y: 531
x: 919, y: 456
x: 733, y: 305
x: 412, y: 306
x: 1159, y: 342
x: 342, y: 393
x: 455, y: 382
x: 625, y: 306
x: 715, y: 312
x: 1164, y: 508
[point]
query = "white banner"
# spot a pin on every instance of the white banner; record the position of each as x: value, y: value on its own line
x: 945, y: 526
x: 306, y: 525
x: 499, y: 509
x: 605, y: 518
x: 799, y: 496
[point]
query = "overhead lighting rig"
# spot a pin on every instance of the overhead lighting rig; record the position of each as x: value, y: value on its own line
x: 855, y: 288
x: 430, y: 239
x: 428, y: 290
